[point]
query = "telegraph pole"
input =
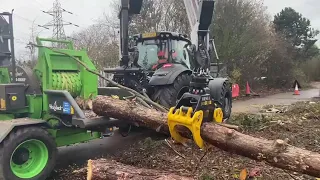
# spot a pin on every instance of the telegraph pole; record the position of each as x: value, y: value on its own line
x: 57, y: 22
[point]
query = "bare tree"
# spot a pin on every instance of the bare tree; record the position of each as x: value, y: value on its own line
x: 34, y: 34
x: 245, y: 39
x: 247, y: 43
x: 29, y: 57
x: 100, y: 42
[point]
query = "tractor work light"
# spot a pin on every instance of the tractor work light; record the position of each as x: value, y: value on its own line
x: 167, y: 65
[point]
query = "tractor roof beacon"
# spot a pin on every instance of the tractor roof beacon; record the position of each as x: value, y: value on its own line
x: 160, y: 65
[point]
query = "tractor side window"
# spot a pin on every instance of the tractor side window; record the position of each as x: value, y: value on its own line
x: 179, y: 53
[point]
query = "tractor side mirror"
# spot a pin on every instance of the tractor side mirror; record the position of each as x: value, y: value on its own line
x: 135, y: 56
x: 193, y: 47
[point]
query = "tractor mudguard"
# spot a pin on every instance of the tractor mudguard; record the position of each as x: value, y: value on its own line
x: 217, y: 88
x: 167, y: 74
x: 8, y: 125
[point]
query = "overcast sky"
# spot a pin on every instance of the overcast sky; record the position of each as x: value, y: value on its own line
x: 86, y: 11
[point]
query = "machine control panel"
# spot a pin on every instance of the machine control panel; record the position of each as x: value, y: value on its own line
x: 12, y: 96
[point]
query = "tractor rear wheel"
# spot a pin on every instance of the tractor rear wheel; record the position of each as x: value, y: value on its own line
x: 168, y: 95
x: 27, y: 153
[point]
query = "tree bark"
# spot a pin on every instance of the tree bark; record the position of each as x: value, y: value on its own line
x: 276, y: 152
x: 103, y: 169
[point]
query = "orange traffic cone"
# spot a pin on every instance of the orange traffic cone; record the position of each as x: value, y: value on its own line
x: 248, y: 91
x: 296, y: 90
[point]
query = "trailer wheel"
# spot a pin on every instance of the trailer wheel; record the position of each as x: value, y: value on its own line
x: 168, y: 95
x: 27, y: 153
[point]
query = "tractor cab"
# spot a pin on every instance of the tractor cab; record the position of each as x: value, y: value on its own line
x: 151, y: 51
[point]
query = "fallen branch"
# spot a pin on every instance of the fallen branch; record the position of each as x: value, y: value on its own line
x: 230, y: 126
x: 169, y: 144
x: 103, y: 169
x: 277, y: 153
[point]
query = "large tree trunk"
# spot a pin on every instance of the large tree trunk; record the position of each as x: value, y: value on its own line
x: 103, y: 169
x: 277, y: 153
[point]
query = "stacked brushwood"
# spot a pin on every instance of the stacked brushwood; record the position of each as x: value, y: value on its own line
x: 277, y: 153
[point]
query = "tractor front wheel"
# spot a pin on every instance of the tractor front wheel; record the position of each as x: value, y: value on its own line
x: 226, y: 104
x: 27, y: 153
x: 168, y: 95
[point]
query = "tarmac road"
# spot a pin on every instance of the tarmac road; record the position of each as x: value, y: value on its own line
x: 254, y: 105
x: 80, y: 153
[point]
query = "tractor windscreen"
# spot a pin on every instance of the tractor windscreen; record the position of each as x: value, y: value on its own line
x: 158, y: 51
x: 148, y: 53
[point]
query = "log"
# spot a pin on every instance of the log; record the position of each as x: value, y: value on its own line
x: 277, y: 153
x: 84, y: 104
x: 103, y: 169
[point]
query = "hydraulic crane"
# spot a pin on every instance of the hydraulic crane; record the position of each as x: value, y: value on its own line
x: 200, y: 18
x: 160, y: 64
x: 183, y: 83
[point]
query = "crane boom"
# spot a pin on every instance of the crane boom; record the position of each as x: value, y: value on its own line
x: 192, y: 8
x: 200, y: 14
x: 128, y: 8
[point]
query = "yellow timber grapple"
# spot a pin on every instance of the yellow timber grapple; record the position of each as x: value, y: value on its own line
x: 194, y: 108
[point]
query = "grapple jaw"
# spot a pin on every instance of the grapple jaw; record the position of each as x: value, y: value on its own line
x: 191, y: 111
x: 185, y: 117
x: 194, y: 108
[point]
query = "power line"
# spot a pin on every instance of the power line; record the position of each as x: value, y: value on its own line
x: 26, y: 19
x: 57, y: 23
x: 40, y: 4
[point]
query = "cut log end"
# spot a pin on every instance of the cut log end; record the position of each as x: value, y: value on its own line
x: 230, y: 132
x: 280, y: 145
x: 84, y: 104
x: 89, y: 170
